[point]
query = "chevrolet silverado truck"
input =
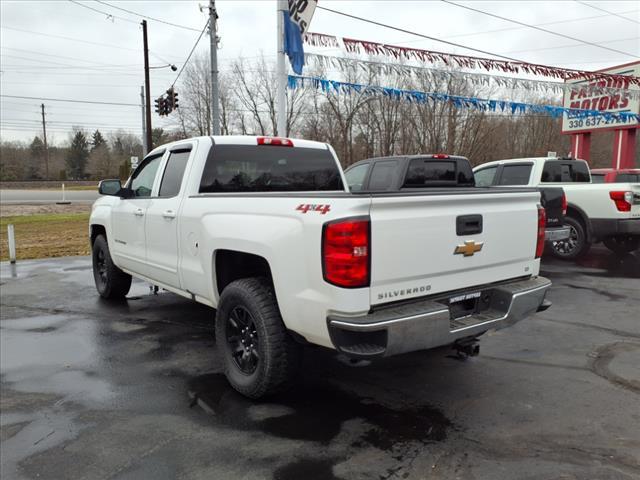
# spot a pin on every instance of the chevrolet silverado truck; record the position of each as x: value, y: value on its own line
x: 405, y: 173
x: 607, y: 213
x: 264, y: 230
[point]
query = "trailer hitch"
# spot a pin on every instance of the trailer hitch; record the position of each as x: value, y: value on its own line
x: 467, y: 347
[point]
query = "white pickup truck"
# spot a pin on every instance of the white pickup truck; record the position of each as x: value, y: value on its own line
x: 608, y: 213
x: 264, y: 230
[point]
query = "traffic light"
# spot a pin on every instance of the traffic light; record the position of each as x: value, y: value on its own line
x: 172, y: 99
x: 159, y: 105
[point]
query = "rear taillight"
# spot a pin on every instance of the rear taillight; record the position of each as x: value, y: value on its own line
x: 275, y: 141
x: 564, y: 204
x: 345, y: 252
x: 623, y: 200
x: 542, y: 221
x: 440, y: 155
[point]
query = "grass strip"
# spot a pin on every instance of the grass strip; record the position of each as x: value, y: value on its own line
x: 46, y: 235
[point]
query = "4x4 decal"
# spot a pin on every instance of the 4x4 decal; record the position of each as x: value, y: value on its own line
x: 304, y: 208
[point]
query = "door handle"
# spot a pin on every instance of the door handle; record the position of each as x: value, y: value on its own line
x: 169, y: 214
x: 139, y: 212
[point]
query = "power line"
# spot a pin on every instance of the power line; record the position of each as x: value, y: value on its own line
x: 108, y: 15
x: 586, y: 42
x: 570, y: 46
x: 190, y: 53
x: 147, y: 17
x: 555, y: 22
x: 417, y: 34
x: 607, y: 11
x: 71, y: 101
x: 109, y: 45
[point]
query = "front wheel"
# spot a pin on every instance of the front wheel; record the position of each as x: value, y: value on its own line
x: 574, y: 246
x: 258, y: 355
x: 111, y: 282
x: 622, y: 243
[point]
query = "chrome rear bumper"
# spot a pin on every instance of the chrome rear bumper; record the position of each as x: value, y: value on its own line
x: 430, y: 323
x: 556, y: 234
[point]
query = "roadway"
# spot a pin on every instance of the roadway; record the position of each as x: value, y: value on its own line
x: 26, y: 197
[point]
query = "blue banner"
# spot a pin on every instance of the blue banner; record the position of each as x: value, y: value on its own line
x: 483, y: 104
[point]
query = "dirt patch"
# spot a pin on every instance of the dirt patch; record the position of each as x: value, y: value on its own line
x: 10, y: 210
x: 46, y: 235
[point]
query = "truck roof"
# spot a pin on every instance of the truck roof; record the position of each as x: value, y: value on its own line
x: 244, y: 140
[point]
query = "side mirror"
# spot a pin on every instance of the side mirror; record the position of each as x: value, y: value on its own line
x: 109, y: 187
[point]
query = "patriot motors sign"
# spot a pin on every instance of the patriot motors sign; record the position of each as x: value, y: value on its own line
x: 613, y: 95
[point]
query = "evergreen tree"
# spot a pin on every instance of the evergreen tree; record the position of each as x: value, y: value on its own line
x: 78, y: 155
x: 97, y: 140
x: 36, y: 158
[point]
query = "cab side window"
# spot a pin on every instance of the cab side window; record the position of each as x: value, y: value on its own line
x: 143, y: 178
x: 355, y: 177
x: 485, y: 176
x: 382, y: 175
x: 173, y: 173
x: 515, y: 175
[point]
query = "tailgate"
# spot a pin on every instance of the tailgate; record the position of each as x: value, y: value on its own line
x: 414, y: 237
x: 551, y: 198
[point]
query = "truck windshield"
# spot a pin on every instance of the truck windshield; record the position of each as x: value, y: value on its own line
x: 260, y: 168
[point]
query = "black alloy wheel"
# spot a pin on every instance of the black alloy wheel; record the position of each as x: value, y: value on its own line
x: 242, y: 337
x: 111, y: 282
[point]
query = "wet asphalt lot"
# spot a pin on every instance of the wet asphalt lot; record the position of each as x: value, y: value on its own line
x: 91, y: 390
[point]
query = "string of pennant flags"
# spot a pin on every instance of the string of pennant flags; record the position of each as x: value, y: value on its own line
x: 355, y: 46
x: 439, y: 75
x: 483, y: 104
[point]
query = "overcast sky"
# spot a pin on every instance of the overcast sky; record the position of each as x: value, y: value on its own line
x: 100, y: 58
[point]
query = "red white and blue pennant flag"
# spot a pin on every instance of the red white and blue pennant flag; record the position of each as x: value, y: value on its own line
x: 296, y: 24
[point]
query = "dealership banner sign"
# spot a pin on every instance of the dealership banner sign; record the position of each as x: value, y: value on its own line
x: 588, y: 94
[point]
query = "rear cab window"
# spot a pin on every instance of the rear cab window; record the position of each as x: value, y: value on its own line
x: 260, y: 168
x: 628, y: 178
x: 569, y: 171
x: 429, y: 172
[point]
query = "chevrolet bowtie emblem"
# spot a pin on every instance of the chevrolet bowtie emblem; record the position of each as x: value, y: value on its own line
x: 468, y: 249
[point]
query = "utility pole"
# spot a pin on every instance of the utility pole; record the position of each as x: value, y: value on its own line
x: 145, y: 148
x: 281, y: 73
x: 147, y: 87
x: 46, y: 147
x: 213, y: 45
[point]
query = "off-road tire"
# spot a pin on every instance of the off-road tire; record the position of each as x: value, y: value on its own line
x: 622, y: 243
x: 111, y: 282
x: 278, y: 354
x: 576, y: 245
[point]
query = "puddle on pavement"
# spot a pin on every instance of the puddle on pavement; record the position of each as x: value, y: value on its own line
x: 316, y: 413
x: 307, y: 469
x: 52, y: 354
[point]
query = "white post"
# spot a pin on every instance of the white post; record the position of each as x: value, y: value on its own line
x: 281, y: 73
x: 63, y: 192
x: 12, y: 243
x: 145, y: 147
